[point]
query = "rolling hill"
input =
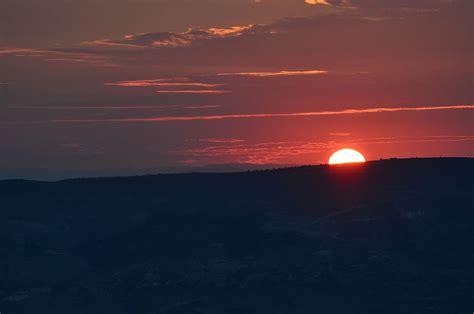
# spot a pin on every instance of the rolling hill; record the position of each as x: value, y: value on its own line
x: 390, y: 236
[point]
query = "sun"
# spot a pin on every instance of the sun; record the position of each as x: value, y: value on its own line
x: 346, y: 156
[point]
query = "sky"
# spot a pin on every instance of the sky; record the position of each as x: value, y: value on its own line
x: 113, y: 87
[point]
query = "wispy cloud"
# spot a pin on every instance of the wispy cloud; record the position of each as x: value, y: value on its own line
x: 271, y: 115
x: 276, y: 73
x: 300, y: 43
x: 234, y: 30
x: 57, y: 55
x: 170, y: 39
x: 203, y: 107
x: 261, y: 153
x: 201, y: 88
x: 161, y: 83
x: 414, y: 139
x: 193, y: 91
x: 340, y: 134
x: 225, y: 140
x: 340, y: 4
x: 12, y: 51
x: 322, y: 2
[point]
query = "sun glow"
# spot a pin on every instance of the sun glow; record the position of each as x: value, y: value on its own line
x: 346, y: 156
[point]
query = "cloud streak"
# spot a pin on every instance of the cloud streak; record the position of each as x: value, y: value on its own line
x: 276, y: 73
x: 271, y: 115
x: 205, y: 88
x: 415, y: 139
x: 220, y: 140
x: 57, y: 55
x: 321, y: 2
x: 161, y: 83
x: 194, y: 91
x: 340, y: 134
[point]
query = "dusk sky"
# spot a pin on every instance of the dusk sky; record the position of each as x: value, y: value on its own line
x: 124, y: 86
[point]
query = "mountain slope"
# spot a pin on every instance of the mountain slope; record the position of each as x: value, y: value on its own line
x: 392, y: 236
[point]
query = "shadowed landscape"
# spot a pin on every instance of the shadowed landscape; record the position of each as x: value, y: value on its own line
x: 390, y: 236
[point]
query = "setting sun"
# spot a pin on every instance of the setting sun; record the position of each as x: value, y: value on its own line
x: 345, y: 156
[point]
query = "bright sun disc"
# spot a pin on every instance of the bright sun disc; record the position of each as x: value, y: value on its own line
x: 346, y: 156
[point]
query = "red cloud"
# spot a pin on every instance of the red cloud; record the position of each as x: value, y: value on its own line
x: 271, y: 115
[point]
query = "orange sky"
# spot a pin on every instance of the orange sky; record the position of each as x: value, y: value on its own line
x: 269, y: 82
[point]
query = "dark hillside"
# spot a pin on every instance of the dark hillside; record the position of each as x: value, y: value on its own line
x: 392, y: 236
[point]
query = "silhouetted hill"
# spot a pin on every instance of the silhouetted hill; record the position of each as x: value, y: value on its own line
x: 392, y: 236
x: 56, y: 174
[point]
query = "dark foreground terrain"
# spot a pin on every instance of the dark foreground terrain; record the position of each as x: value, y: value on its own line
x: 391, y: 236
